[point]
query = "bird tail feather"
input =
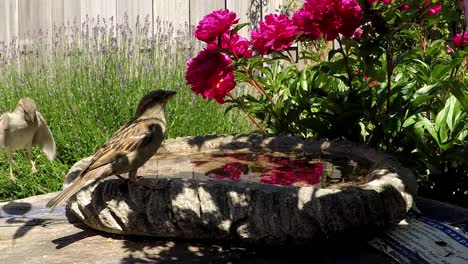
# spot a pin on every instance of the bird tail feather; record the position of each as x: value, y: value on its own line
x: 73, y: 188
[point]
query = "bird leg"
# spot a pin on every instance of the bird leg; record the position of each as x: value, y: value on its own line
x: 10, y: 163
x: 33, y: 166
x: 132, y: 176
x: 137, y: 180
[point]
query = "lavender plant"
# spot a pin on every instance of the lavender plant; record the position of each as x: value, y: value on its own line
x: 86, y: 79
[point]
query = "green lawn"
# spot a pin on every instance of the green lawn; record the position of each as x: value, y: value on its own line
x: 86, y: 94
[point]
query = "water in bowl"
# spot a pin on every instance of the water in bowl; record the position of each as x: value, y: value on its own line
x: 267, y: 168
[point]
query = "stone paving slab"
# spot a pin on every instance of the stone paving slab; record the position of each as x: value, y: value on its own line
x: 29, y: 234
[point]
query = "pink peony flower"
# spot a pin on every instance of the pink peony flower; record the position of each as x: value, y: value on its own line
x: 236, y: 44
x: 210, y: 74
x: 449, y: 49
x: 215, y: 24
x: 276, y: 33
x: 435, y: 9
x: 358, y: 33
x: 460, y: 40
x: 336, y: 17
x: 304, y: 20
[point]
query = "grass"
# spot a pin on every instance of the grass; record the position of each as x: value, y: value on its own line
x: 86, y: 85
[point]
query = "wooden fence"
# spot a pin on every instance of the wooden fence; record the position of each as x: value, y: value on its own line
x: 20, y: 18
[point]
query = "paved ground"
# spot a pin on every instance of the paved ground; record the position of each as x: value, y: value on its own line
x: 29, y: 234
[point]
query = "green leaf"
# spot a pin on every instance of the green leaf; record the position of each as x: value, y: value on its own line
x: 303, y: 78
x: 419, y: 100
x: 440, y: 124
x: 409, y: 121
x: 429, y: 127
x: 425, y: 89
x: 364, y: 132
x: 333, y: 52
x: 460, y: 131
x: 238, y: 27
x: 453, y: 112
x: 229, y: 108
x: 277, y: 55
x: 418, y: 129
x: 279, y: 107
x: 460, y: 91
x: 463, y: 134
x: 439, y: 71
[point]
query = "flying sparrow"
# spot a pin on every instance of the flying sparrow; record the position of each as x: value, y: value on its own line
x: 24, y: 127
x: 128, y: 149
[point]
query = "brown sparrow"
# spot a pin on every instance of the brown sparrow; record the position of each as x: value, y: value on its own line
x: 128, y: 149
x: 25, y: 127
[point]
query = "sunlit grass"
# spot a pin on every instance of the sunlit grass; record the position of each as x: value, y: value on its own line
x: 86, y: 92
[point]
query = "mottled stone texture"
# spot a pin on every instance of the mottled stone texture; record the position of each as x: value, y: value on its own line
x: 248, y: 211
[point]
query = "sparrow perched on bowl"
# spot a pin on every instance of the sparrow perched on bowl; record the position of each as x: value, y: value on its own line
x: 128, y: 149
x: 24, y: 127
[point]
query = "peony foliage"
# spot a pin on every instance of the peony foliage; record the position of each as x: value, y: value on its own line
x: 391, y: 74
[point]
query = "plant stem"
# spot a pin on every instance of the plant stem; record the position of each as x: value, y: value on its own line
x: 291, y: 60
x: 264, y: 132
x: 256, y: 85
x: 348, y: 70
x: 252, y: 80
x: 389, y: 59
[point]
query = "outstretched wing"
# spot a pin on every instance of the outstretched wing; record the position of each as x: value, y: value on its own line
x: 123, y: 142
x: 44, y: 138
x: 4, y: 122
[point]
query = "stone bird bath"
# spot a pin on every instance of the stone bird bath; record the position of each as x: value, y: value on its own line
x: 246, y: 211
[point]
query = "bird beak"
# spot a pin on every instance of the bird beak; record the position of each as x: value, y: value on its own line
x: 169, y: 95
x: 29, y: 116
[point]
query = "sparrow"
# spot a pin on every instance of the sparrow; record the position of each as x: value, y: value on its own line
x: 24, y: 127
x: 128, y: 148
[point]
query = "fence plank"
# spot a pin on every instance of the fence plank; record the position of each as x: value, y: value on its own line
x: 57, y: 12
x: 199, y: 8
x: 175, y: 11
x: 102, y: 8
x: 244, y: 12
x: 141, y: 9
x: 273, y: 6
x: 72, y: 12
x: 18, y: 17
x: 8, y: 22
x: 33, y: 16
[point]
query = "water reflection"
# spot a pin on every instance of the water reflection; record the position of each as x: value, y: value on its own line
x: 268, y: 168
